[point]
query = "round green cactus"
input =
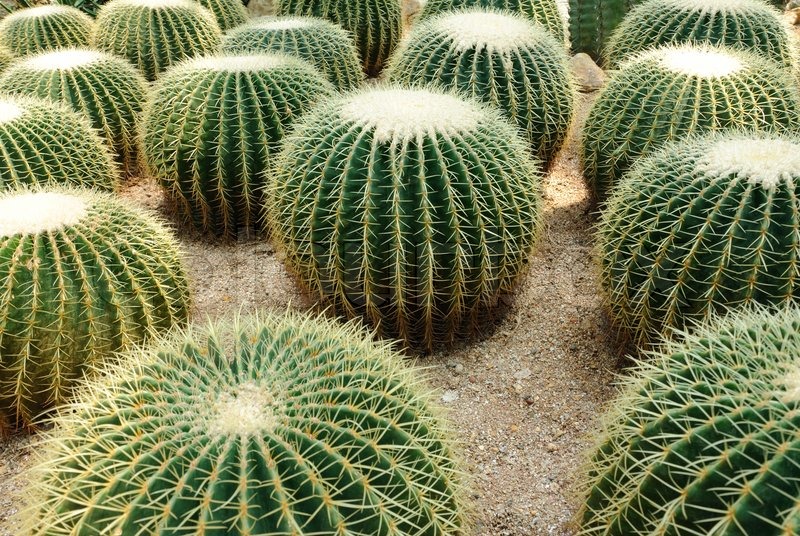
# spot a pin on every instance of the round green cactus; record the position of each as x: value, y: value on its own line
x: 500, y: 58
x: 376, y: 25
x: 324, y: 44
x: 705, y: 438
x: 84, y: 275
x: 750, y: 24
x: 545, y: 12
x: 413, y: 208
x: 45, y: 142
x: 105, y: 88
x: 228, y: 13
x: 276, y: 425
x: 36, y: 29
x: 666, y: 93
x: 705, y: 223
x: 154, y: 34
x: 212, y: 127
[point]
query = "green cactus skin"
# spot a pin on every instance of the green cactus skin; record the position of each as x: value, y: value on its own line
x: 228, y: 13
x: 83, y: 276
x: 325, y: 45
x: 749, y: 24
x: 376, y: 25
x: 592, y: 22
x: 666, y: 93
x: 6, y: 58
x: 500, y: 58
x: 90, y: 7
x: 44, y: 142
x: 155, y: 34
x: 412, y: 208
x: 212, y: 127
x: 105, y: 88
x: 275, y: 425
x: 704, y: 224
x: 704, y: 437
x: 545, y: 12
x: 36, y: 29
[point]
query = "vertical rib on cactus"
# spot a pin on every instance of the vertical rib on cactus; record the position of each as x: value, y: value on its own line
x: 36, y: 29
x: 591, y: 23
x: 228, y: 13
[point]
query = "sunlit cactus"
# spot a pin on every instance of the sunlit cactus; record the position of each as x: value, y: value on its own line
x: 31, y: 30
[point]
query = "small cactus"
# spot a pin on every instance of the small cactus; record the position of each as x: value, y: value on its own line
x: 36, y: 29
x: 275, y: 425
x: 500, y: 58
x: 90, y: 7
x: 324, y: 44
x: 704, y: 224
x: 105, y: 88
x: 228, y: 13
x: 154, y: 34
x: 666, y: 93
x: 591, y: 23
x: 376, y: 25
x: 213, y: 125
x: 84, y: 275
x: 413, y: 208
x: 704, y: 438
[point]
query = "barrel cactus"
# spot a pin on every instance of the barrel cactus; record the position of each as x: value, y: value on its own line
x: 213, y: 125
x: 705, y: 438
x: 705, y: 223
x: 325, y: 45
x: 273, y: 425
x: 84, y: 275
x: 545, y: 12
x: 228, y: 13
x: 500, y: 58
x: 105, y: 88
x: 413, y: 208
x: 666, y: 93
x: 591, y: 23
x: 376, y: 25
x: 35, y: 29
x: 154, y: 34
x: 89, y: 7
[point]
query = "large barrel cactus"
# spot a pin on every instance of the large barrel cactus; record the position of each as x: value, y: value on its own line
x: 36, y: 29
x: 154, y: 34
x: 275, y: 425
x: 500, y: 58
x: 669, y: 92
x: 47, y: 143
x: 212, y: 127
x: 376, y: 25
x: 228, y: 13
x: 705, y: 438
x: 105, y: 88
x: 324, y: 44
x: 84, y: 276
x: 412, y: 208
x: 704, y: 224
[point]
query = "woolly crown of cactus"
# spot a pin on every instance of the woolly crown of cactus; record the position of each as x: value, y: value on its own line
x: 31, y: 30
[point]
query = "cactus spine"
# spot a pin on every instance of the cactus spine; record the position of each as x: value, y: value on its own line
x: 36, y: 29
x: 228, y: 13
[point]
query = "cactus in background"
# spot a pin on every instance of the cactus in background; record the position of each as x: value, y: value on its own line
x: 413, y: 208
x: 666, y: 93
x: 704, y: 224
x: 105, y: 88
x: 376, y: 25
x: 324, y: 44
x: 47, y: 143
x: 90, y: 7
x: 591, y: 23
x: 36, y: 29
x: 84, y: 275
x: 212, y: 127
x: 275, y: 425
x: 154, y: 34
x: 705, y: 436
x: 228, y: 13
x: 6, y: 58
x: 500, y: 58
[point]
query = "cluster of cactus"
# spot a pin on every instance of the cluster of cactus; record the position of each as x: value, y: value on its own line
x: 705, y: 223
x: 376, y: 25
x: 672, y: 91
x: 84, y: 276
x: 212, y: 126
x: 705, y: 436
x: 412, y: 208
x: 105, y: 88
x: 325, y: 45
x: 155, y: 34
x: 275, y: 425
x: 228, y: 13
x: 36, y: 29
x: 500, y: 58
